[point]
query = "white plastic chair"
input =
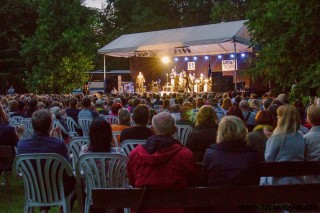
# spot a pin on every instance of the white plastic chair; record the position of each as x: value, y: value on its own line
x: 101, y: 170
x: 183, y: 133
x: 17, y: 118
x: 115, y: 139
x: 74, y: 148
x: 130, y: 144
x: 43, y: 180
x: 72, y: 125
x: 85, y: 124
x: 112, y: 119
x: 158, y: 108
x: 27, y: 123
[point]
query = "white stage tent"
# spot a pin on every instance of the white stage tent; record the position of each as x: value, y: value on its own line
x: 212, y: 39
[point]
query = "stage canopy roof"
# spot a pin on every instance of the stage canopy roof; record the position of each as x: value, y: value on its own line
x: 209, y: 39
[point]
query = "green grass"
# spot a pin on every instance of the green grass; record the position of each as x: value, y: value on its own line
x: 17, y: 202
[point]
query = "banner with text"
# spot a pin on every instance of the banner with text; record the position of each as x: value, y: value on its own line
x: 228, y: 65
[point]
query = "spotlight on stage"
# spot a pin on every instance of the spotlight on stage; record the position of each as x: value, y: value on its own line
x: 206, y: 57
x: 186, y: 58
x: 232, y: 55
x: 219, y: 56
x: 243, y: 55
x: 176, y: 59
x: 165, y: 59
x: 195, y: 58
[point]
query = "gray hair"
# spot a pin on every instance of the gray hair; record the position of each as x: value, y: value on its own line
x: 163, y: 123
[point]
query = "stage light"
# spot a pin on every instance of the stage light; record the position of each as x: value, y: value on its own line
x: 243, y: 55
x: 232, y: 55
x: 195, y: 58
x: 206, y: 57
x: 186, y: 58
x: 219, y: 56
x: 165, y: 59
x: 176, y: 59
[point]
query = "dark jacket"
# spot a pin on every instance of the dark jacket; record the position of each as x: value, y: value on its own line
x: 135, y: 132
x: 200, y: 139
x: 257, y: 140
x: 229, y: 164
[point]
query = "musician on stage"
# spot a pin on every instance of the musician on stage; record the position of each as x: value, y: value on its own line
x: 186, y: 81
x: 176, y: 83
x: 140, y: 81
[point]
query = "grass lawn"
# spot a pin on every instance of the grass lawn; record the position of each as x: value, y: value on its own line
x: 17, y: 202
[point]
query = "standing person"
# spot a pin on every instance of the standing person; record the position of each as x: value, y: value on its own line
x: 285, y: 143
x: 11, y: 91
x: 140, y: 131
x: 162, y: 162
x: 140, y: 81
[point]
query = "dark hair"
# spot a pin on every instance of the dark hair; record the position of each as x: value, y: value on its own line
x: 100, y: 135
x: 141, y: 114
x: 115, y: 108
x: 264, y: 117
x: 86, y: 102
x: 41, y: 121
x: 234, y: 110
x: 21, y: 105
x: 73, y: 102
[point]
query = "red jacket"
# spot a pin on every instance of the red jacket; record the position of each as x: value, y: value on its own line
x: 163, y: 163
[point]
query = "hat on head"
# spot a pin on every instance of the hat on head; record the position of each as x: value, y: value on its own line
x: 99, y: 102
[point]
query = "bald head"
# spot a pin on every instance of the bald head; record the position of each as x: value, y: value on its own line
x: 164, y: 124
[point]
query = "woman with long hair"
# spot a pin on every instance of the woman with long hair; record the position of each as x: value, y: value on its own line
x: 285, y: 143
x: 205, y: 132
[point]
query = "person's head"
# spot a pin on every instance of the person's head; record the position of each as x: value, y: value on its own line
x: 232, y: 130
x: 282, y: 98
x: 175, y: 108
x: 185, y: 112
x: 226, y: 104
x: 244, y: 105
x: 41, y: 121
x: 313, y: 115
x: 264, y: 117
x: 123, y: 116
x: 141, y: 115
x: 73, y: 103
x: 164, y: 124
x: 199, y: 103
x: 86, y: 102
x: 100, y: 135
x: 288, y: 120
x: 234, y: 110
x: 152, y: 112
x: 136, y: 102
x: 21, y: 106
x: 255, y: 104
x: 166, y: 104
x: 33, y: 104
x: 267, y: 102
x: 99, y: 103
x: 206, y: 117
x: 115, y: 108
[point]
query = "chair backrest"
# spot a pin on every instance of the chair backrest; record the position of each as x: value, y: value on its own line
x: 129, y: 144
x: 27, y: 122
x: 17, y: 118
x: 158, y: 108
x: 115, y: 138
x: 101, y: 170
x: 72, y: 124
x: 43, y: 177
x: 56, y: 124
x: 183, y: 133
x: 74, y: 148
x: 112, y: 119
x: 85, y: 124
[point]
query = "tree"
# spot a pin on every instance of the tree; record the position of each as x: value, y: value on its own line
x: 287, y: 33
x: 18, y: 21
x: 62, y: 49
x: 229, y: 10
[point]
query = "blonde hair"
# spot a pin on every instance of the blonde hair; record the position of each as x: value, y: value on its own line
x: 288, y: 120
x: 226, y: 104
x: 313, y: 115
x: 123, y: 116
x: 232, y: 129
x: 206, y: 116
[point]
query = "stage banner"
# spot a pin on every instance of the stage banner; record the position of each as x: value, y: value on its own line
x: 228, y: 65
x: 191, y: 65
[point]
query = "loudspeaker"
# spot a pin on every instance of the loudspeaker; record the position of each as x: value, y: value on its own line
x: 216, y: 74
x: 222, y: 84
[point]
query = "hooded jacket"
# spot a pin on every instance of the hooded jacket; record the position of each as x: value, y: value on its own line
x: 162, y: 163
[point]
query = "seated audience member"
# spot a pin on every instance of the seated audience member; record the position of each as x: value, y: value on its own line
x: 175, y: 111
x: 115, y: 108
x: 42, y: 142
x: 73, y: 111
x: 249, y: 117
x: 162, y: 162
x: 58, y: 115
x: 185, y: 116
x: 220, y: 112
x: 226, y: 104
x: 257, y: 139
x: 32, y: 107
x: 100, y: 136
x: 230, y: 161
x: 86, y: 111
x: 123, y: 121
x: 100, y: 107
x: 12, y: 106
x: 312, y: 139
x: 152, y: 112
x: 285, y: 143
x: 235, y: 111
x: 205, y: 132
x: 140, y: 130
x: 135, y: 103
x: 20, y: 111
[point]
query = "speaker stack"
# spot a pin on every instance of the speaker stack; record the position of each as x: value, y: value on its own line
x: 221, y: 83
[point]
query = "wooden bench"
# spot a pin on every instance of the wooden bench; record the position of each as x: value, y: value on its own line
x: 244, y: 197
